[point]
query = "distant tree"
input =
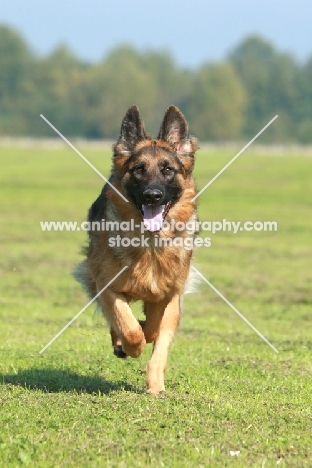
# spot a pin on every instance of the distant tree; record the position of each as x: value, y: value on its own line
x: 112, y: 87
x: 229, y: 100
x: 251, y: 60
x: 271, y: 81
x: 54, y: 79
x: 304, y: 109
x: 126, y: 77
x: 216, y: 103
x: 171, y: 84
x: 283, y: 97
x: 15, y: 61
x: 15, y: 65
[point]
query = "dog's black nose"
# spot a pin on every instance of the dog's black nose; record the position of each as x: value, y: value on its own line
x: 152, y: 196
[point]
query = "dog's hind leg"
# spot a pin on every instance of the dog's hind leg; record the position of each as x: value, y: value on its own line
x: 125, y: 326
x: 158, y: 362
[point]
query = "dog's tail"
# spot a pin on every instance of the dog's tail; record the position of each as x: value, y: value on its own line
x: 191, y: 287
x: 82, y: 274
x: 192, y: 283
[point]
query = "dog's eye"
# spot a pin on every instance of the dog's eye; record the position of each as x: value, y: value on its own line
x: 167, y: 170
x: 138, y: 170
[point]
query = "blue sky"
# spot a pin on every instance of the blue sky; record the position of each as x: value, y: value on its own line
x: 194, y: 31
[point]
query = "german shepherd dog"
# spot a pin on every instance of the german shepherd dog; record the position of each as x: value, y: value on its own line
x: 155, y: 176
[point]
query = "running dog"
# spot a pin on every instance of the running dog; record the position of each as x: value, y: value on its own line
x: 154, y: 177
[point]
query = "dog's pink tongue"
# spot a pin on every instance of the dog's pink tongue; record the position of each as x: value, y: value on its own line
x: 153, y: 219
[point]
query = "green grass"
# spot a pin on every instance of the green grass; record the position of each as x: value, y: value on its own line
x: 76, y: 405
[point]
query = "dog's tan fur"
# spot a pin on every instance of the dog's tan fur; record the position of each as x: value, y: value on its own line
x: 155, y: 275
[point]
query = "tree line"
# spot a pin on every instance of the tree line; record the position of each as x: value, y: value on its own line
x: 224, y: 101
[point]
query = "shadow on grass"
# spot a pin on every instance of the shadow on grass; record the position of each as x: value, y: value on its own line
x: 56, y: 381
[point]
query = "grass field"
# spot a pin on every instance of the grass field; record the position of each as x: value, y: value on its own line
x: 230, y: 400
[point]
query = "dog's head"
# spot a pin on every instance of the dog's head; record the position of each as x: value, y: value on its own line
x: 153, y: 173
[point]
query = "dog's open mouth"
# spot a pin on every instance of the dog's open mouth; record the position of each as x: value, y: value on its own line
x: 153, y: 216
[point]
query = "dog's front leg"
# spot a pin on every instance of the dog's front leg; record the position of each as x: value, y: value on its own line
x: 119, y: 315
x: 117, y: 345
x: 157, y: 366
x: 154, y: 312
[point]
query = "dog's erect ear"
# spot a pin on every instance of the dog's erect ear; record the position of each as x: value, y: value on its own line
x: 132, y: 130
x: 174, y: 130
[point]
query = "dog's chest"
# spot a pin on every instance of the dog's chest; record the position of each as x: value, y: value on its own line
x: 156, y: 275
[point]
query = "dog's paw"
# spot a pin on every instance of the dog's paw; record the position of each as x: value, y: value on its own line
x: 118, y: 351
x: 156, y: 390
x: 155, y: 382
x: 133, y: 344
